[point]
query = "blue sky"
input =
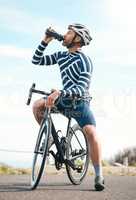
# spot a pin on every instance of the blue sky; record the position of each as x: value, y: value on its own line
x: 112, y: 50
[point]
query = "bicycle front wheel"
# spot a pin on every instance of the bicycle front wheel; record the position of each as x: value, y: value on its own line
x: 40, y: 153
x: 77, y: 152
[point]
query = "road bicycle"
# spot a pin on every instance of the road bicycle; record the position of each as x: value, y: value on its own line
x: 72, y: 150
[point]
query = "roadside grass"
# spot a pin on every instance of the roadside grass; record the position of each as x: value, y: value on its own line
x: 50, y: 169
x: 120, y: 171
x: 4, y: 169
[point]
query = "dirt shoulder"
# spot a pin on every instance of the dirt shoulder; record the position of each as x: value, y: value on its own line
x: 50, y: 169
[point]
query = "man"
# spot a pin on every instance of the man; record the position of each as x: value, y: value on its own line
x: 76, y: 70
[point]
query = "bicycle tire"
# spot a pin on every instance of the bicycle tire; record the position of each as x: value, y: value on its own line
x: 70, y: 172
x: 43, y: 136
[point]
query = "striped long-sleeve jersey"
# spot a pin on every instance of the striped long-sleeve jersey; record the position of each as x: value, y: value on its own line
x: 75, y: 69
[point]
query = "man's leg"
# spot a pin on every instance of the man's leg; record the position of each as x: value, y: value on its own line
x: 95, y: 154
x: 38, y: 110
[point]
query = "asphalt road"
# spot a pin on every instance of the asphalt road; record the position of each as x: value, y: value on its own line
x: 54, y: 187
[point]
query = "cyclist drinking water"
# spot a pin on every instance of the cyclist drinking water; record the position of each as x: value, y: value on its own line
x: 76, y: 71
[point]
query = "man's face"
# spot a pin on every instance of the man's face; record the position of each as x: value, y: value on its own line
x: 68, y: 37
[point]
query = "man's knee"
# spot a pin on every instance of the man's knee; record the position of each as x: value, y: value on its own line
x: 90, y: 130
x: 38, y: 105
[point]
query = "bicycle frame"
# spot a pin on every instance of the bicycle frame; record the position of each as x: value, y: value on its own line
x: 56, y: 141
x: 58, y: 146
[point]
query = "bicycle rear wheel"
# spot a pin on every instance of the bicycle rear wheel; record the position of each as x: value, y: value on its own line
x: 40, y: 153
x: 77, y: 152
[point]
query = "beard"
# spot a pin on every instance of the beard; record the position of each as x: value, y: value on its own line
x: 64, y: 43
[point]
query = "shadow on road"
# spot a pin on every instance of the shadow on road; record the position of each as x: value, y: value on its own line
x: 14, y: 188
x: 64, y: 186
x: 43, y: 187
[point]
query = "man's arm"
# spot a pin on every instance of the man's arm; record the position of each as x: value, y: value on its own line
x: 40, y: 59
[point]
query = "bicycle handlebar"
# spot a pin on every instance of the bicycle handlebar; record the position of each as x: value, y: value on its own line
x: 33, y: 90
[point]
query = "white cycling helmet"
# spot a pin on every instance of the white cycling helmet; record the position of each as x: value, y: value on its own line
x: 82, y: 31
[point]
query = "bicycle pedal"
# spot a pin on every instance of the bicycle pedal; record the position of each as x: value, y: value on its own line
x: 79, y: 168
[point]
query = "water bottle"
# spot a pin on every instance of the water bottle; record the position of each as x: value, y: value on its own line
x: 54, y: 34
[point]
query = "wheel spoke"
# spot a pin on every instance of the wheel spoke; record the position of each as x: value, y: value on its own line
x: 77, y: 153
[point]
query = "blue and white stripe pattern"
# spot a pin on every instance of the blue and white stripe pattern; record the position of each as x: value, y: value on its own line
x: 75, y: 68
